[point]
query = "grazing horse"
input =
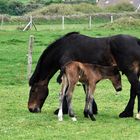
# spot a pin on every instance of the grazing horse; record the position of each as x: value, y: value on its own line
x: 124, y: 50
x: 89, y: 75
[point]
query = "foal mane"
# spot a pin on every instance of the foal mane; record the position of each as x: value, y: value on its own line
x: 35, y: 77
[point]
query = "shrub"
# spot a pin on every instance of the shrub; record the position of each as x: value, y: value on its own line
x: 15, y: 8
x: 123, y: 23
x: 3, y: 7
x: 121, y: 7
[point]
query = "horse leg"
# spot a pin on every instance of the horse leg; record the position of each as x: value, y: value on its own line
x: 135, y: 89
x: 94, y: 105
x: 69, y: 99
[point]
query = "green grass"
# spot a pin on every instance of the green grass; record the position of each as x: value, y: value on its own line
x: 17, y: 123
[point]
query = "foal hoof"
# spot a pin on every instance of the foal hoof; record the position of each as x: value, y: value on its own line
x: 138, y: 116
x: 74, y: 119
x: 95, y: 112
x: 60, y: 119
x: 86, y: 114
x: 125, y: 114
x: 92, y: 117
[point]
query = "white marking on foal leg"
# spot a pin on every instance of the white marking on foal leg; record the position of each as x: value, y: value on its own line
x: 60, y: 115
x: 74, y: 119
x: 138, y: 116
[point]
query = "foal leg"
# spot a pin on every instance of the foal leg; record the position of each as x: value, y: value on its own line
x: 94, y: 105
x: 69, y: 99
x: 86, y: 111
x: 135, y: 89
x: 64, y: 105
x: 61, y: 98
x: 90, y: 100
x: 60, y: 112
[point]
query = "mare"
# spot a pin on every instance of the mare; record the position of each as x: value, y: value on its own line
x: 89, y: 75
x: 122, y: 50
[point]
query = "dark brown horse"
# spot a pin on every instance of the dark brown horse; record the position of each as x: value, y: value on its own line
x: 124, y: 50
x: 89, y: 75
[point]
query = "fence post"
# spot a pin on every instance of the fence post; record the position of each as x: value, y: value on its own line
x: 63, y: 20
x: 2, y: 20
x: 90, y: 22
x: 111, y: 19
x: 30, y: 48
x: 31, y: 21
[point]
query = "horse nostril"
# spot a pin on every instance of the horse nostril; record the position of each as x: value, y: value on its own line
x: 34, y: 110
x: 30, y: 109
x: 37, y: 110
x: 119, y: 89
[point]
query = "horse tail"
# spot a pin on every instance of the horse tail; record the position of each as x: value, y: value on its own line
x: 59, y: 78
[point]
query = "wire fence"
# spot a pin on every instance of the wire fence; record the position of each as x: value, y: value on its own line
x: 60, y: 22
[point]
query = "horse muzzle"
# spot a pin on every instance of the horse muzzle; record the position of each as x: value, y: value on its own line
x: 34, y: 109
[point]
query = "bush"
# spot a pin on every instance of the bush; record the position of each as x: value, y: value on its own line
x: 16, y: 8
x: 67, y: 9
x: 121, y: 7
x: 3, y: 7
x: 123, y: 23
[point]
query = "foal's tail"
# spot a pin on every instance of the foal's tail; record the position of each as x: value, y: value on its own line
x: 59, y: 77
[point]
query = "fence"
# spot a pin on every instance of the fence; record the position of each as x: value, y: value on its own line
x: 61, y: 22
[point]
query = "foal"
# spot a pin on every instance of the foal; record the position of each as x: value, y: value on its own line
x: 89, y: 75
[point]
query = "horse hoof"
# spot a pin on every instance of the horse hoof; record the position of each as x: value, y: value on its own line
x: 56, y: 111
x: 64, y: 111
x: 74, y: 119
x: 138, y: 116
x: 125, y: 114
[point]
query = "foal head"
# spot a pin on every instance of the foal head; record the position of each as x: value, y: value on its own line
x: 115, y: 77
x: 37, y: 96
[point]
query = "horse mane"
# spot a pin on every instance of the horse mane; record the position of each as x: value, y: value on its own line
x: 35, y: 77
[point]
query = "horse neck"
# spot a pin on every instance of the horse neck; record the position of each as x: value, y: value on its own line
x: 45, y: 70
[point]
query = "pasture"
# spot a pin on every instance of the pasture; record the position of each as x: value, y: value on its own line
x: 17, y: 123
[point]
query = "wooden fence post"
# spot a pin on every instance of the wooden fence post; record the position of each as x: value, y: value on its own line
x: 111, y: 19
x: 2, y: 21
x: 63, y: 20
x: 30, y: 48
x: 90, y: 22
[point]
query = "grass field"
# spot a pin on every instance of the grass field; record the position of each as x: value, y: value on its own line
x: 17, y: 123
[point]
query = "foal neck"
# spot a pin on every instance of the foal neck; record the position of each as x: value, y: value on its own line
x: 106, y: 71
